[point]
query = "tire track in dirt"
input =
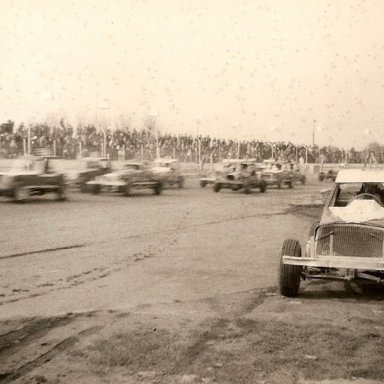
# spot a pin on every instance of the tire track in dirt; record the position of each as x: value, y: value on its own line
x: 58, y: 348
x: 217, y: 329
x: 35, y: 329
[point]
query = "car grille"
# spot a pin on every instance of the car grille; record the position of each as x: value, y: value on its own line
x: 350, y: 240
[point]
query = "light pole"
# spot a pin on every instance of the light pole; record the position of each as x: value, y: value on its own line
x: 105, y: 106
x: 154, y: 116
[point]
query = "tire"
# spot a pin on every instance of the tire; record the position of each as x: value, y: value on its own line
x: 83, y: 186
x: 21, y: 194
x: 279, y: 185
x: 203, y: 183
x: 62, y: 193
x: 180, y: 183
x: 289, y: 275
x: 217, y: 187
x: 303, y: 180
x: 158, y: 188
x: 126, y: 190
x: 321, y: 177
x: 96, y: 188
x: 290, y: 184
x: 263, y: 187
x: 247, y: 189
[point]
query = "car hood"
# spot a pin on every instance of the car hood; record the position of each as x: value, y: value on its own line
x: 359, y: 211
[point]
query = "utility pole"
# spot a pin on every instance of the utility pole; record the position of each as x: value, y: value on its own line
x: 313, y: 132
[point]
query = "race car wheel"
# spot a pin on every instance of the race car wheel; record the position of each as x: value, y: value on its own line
x: 289, y: 275
x: 96, y: 188
x: 158, y: 189
x: 303, y: 180
x: 247, y: 189
x: 217, y: 187
x: 83, y: 186
x: 290, y: 184
x: 21, y: 194
x: 321, y: 177
x: 127, y: 190
x: 180, y: 183
x: 62, y: 193
x: 203, y: 183
x: 263, y: 187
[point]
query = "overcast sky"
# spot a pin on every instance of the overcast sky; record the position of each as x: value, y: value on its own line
x: 262, y: 69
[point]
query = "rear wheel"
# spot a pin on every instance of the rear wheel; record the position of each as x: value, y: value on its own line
x: 217, y: 187
x: 289, y: 275
x: 158, y: 188
x: 96, y: 188
x: 21, y: 194
x: 263, y: 187
x: 203, y: 183
x: 62, y: 193
x: 127, y: 190
x: 247, y: 189
x: 83, y: 185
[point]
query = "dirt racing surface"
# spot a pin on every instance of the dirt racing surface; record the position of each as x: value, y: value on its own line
x: 176, y: 288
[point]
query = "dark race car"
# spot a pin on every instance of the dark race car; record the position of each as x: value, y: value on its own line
x: 134, y: 175
x: 88, y: 169
x: 33, y: 176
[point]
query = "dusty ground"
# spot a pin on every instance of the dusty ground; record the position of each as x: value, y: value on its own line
x: 177, y: 288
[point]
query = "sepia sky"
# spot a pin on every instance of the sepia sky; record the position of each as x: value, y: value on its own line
x: 257, y: 69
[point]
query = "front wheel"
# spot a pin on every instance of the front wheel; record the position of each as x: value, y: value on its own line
x: 289, y: 275
x: 203, y: 183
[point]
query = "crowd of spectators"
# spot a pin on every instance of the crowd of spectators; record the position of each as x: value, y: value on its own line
x: 66, y: 142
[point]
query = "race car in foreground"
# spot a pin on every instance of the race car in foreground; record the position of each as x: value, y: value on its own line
x: 348, y: 242
x: 134, y: 175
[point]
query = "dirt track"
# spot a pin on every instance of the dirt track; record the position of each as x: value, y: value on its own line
x: 174, y: 288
